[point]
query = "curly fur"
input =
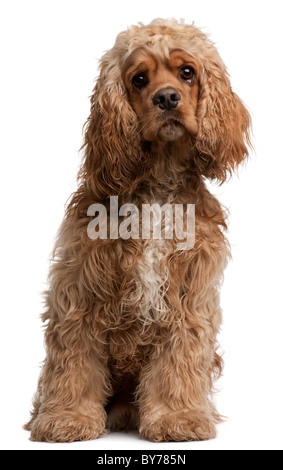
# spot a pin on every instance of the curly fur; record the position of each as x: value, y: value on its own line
x: 131, y: 333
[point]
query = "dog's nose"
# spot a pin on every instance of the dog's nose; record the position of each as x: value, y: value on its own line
x: 166, y: 99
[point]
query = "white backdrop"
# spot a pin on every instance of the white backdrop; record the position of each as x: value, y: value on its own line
x: 49, y: 53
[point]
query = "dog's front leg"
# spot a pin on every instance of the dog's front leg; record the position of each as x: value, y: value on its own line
x: 74, y: 383
x: 175, y: 386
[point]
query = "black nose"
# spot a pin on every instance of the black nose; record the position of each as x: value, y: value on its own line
x: 166, y: 99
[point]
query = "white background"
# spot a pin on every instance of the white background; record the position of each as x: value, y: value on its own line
x: 49, y: 53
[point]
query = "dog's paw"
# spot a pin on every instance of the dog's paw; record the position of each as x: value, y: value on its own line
x: 67, y: 427
x: 123, y: 417
x: 178, y: 427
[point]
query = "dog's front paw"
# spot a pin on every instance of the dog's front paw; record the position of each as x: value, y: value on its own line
x: 67, y: 427
x: 178, y: 427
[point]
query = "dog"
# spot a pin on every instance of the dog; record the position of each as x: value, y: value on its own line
x: 132, y: 323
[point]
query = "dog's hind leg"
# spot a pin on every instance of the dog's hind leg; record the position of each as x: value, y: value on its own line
x: 122, y: 411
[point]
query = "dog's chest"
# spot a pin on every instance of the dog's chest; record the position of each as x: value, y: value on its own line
x: 152, y: 282
x: 144, y: 309
x: 144, y: 312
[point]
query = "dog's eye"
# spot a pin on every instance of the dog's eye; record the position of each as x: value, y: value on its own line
x: 188, y: 74
x: 139, y: 81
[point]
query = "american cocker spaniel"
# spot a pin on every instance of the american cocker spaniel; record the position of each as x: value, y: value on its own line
x: 132, y: 321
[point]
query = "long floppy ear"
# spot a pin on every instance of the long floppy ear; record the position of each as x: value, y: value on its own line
x: 114, y: 159
x: 224, y: 124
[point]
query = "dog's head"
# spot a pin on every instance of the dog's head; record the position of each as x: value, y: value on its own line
x: 163, y: 83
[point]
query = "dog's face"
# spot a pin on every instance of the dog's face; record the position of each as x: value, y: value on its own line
x: 163, y: 90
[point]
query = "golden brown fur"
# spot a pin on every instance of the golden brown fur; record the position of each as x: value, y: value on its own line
x: 132, y: 324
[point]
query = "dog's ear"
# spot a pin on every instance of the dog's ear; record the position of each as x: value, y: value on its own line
x: 113, y: 159
x: 224, y: 123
